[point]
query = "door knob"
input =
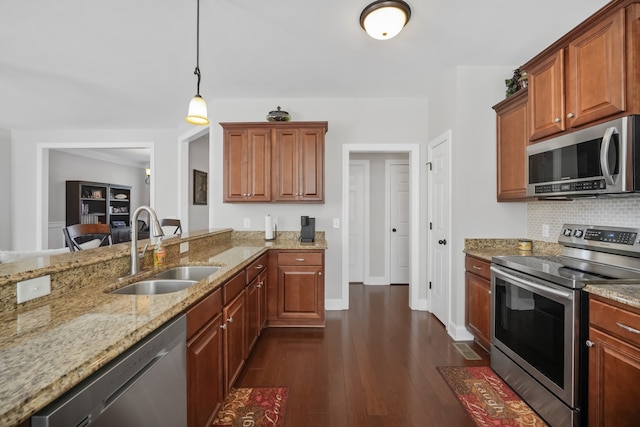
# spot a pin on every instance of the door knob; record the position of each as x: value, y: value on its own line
x: 442, y: 242
x: 394, y: 230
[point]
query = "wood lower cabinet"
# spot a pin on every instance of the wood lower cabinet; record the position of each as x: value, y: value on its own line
x: 296, y: 288
x: 204, y: 360
x: 614, y: 364
x: 583, y: 77
x: 234, y: 315
x: 478, y: 299
x: 512, y: 141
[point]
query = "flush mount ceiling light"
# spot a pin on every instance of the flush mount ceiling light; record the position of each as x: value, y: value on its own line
x: 384, y: 19
x: 197, y: 114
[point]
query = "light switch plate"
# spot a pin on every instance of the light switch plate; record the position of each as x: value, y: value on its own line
x: 545, y: 230
x: 336, y: 222
x: 247, y: 223
x: 33, y: 288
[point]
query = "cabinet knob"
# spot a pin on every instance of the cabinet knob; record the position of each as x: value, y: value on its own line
x: 223, y: 326
x: 258, y: 285
x: 590, y: 343
x: 570, y: 116
x: 230, y: 320
x: 319, y: 273
x: 556, y: 120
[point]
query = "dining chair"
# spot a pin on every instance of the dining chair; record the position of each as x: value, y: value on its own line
x: 87, y: 236
x: 170, y: 222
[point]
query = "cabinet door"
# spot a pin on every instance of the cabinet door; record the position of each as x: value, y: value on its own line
x: 236, y: 142
x: 259, y: 165
x: 614, y: 375
x: 596, y: 72
x: 311, y: 159
x: 301, y: 293
x: 513, y: 138
x: 546, y: 97
x: 286, y: 165
x: 204, y: 374
x: 235, y: 339
x: 262, y: 300
x: 477, y: 308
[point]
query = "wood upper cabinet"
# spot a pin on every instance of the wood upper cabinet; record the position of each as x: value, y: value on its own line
x: 274, y: 161
x: 478, y: 299
x: 581, y: 78
x: 247, y: 164
x: 614, y: 364
x: 512, y: 140
x: 298, y: 165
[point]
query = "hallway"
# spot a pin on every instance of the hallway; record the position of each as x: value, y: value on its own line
x: 373, y: 365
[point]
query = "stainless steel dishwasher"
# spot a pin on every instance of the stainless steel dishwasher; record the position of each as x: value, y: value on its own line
x: 145, y: 386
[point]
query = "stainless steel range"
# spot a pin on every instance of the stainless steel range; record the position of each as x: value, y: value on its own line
x: 539, y: 316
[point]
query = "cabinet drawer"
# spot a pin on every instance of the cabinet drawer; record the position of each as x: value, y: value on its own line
x: 615, y: 320
x: 204, y: 311
x: 256, y: 268
x: 300, y: 258
x: 478, y: 267
x: 233, y: 287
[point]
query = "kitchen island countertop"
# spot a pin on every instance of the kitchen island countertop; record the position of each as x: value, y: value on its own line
x: 48, y: 348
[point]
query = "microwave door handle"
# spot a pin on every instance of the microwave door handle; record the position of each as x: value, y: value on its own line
x: 604, y: 151
x: 533, y: 287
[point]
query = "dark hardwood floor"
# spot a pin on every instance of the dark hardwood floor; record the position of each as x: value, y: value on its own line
x: 373, y: 365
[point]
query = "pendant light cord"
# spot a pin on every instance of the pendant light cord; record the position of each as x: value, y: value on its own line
x: 197, y: 70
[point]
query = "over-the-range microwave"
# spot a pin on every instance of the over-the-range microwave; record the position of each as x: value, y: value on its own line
x: 600, y: 160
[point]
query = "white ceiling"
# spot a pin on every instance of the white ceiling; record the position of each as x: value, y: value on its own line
x: 77, y: 64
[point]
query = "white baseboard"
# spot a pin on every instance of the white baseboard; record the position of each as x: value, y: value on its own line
x: 376, y: 281
x: 334, y: 305
x: 422, y: 305
x: 459, y: 333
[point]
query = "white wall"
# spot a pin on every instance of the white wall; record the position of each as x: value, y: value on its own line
x: 351, y: 121
x: 198, y: 159
x: 470, y: 92
x: 25, y: 152
x: 5, y: 189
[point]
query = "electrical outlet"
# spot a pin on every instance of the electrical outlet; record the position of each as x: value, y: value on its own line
x: 336, y: 222
x: 184, y: 247
x: 247, y: 223
x: 545, y: 230
x: 33, y: 288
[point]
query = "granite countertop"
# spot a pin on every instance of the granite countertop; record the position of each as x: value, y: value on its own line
x: 628, y: 294
x: 47, y: 348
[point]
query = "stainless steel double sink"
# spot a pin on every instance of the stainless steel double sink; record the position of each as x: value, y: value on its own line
x: 172, y: 280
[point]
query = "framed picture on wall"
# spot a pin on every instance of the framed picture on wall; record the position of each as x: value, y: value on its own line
x: 199, y: 187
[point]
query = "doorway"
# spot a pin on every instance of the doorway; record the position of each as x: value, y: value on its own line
x: 418, y: 230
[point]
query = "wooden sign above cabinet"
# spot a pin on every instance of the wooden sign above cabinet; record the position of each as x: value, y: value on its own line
x: 274, y: 162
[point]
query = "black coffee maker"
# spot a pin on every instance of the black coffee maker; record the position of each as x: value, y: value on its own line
x: 308, y: 231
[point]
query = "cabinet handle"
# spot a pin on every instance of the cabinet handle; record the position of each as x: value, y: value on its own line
x: 230, y: 320
x: 475, y: 267
x: 259, y: 267
x: 590, y: 343
x: 300, y: 259
x: 570, y: 116
x: 628, y: 328
x: 556, y: 120
x: 223, y: 326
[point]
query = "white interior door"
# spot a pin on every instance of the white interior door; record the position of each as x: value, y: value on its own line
x: 440, y: 235
x: 357, y: 176
x: 399, y: 194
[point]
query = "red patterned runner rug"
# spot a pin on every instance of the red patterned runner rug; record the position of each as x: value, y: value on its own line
x: 487, y: 399
x: 261, y: 406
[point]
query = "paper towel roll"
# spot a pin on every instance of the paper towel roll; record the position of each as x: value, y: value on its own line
x: 268, y: 228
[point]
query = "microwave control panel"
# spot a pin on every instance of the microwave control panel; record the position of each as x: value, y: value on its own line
x: 596, y: 184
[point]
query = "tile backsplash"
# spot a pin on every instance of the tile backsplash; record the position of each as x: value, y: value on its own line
x: 623, y: 212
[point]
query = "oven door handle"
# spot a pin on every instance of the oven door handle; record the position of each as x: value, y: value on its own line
x: 534, y: 287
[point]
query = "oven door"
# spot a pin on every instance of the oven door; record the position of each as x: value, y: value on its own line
x: 534, y: 323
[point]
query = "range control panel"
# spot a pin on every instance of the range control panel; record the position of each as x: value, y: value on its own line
x: 593, y: 237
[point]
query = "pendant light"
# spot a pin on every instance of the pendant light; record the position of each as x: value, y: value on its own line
x: 384, y: 19
x: 197, y: 114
